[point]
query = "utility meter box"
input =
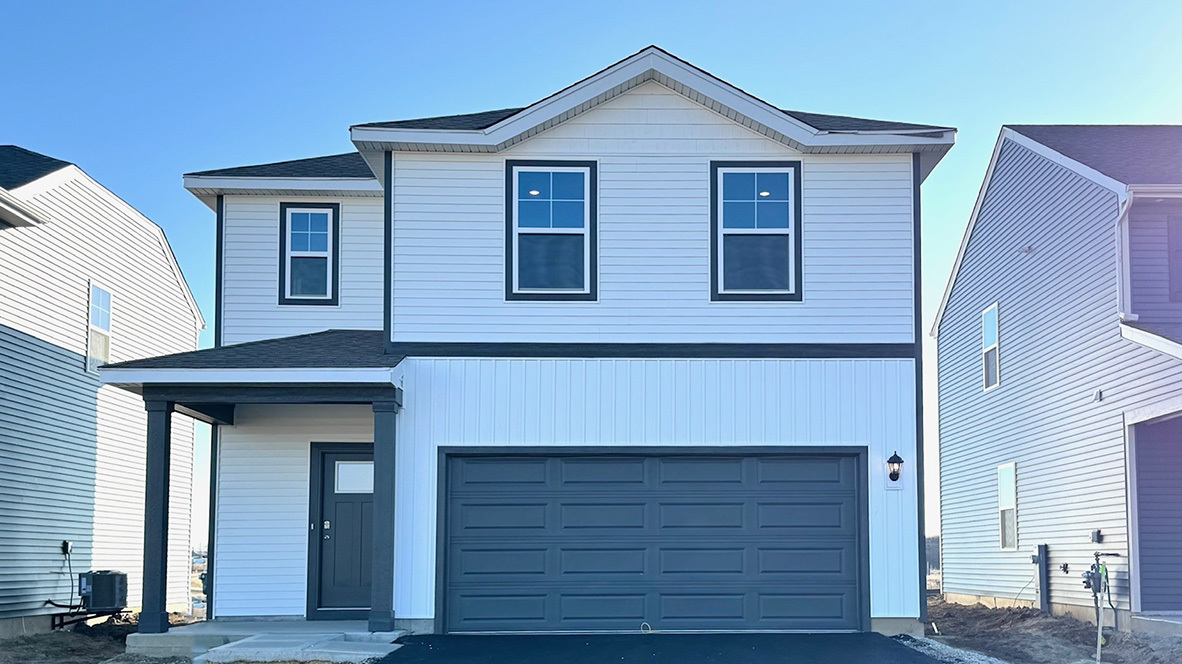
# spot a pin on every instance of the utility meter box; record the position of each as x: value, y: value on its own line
x: 103, y: 590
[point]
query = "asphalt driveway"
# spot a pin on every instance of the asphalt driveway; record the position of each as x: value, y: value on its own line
x: 655, y: 649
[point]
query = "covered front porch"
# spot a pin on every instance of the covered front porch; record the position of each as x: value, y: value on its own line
x: 349, y: 526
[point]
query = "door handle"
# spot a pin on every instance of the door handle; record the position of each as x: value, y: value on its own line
x: 327, y: 527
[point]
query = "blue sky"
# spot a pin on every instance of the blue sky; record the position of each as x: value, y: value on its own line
x: 137, y: 93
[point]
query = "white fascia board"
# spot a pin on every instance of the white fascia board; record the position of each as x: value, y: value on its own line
x: 1155, y: 190
x: 1118, y: 188
x: 203, y: 182
x: 639, y: 65
x: 14, y: 212
x: 116, y: 376
x: 1151, y: 340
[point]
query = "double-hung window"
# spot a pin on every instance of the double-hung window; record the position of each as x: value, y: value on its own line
x: 550, y: 230
x: 991, y: 366
x: 755, y: 248
x: 98, y: 340
x: 1007, y: 507
x: 309, y: 251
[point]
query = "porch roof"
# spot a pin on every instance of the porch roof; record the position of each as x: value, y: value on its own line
x: 335, y: 349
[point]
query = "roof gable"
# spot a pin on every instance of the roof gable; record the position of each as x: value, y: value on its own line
x: 19, y: 166
x: 494, y: 131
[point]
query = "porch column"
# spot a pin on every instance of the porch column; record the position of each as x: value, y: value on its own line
x: 381, y: 612
x: 154, y: 612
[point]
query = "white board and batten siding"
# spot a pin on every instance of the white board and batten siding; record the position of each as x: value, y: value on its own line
x: 264, y: 462
x: 250, y: 290
x: 653, y: 149
x: 1059, y: 342
x: 72, y: 463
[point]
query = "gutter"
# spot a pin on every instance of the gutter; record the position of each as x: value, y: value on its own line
x: 14, y: 212
x: 1132, y: 193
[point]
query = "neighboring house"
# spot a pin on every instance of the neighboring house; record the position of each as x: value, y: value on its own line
x: 86, y: 280
x: 637, y: 353
x: 1060, y: 338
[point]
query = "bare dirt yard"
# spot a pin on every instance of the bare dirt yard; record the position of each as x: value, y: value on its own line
x: 1025, y: 636
x: 85, y: 645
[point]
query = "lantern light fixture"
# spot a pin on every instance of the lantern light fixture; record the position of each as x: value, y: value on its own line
x: 895, y: 466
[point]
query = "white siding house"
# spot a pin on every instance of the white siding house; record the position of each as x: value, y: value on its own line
x: 587, y: 405
x: 71, y: 449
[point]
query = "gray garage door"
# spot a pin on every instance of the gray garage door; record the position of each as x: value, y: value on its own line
x: 682, y: 542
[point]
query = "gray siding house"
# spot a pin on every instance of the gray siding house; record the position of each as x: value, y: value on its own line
x: 1060, y: 378
x: 86, y: 280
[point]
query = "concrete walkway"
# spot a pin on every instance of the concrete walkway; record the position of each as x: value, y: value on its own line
x: 267, y: 641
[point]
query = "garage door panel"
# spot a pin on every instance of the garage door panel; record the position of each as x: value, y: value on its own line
x: 680, y: 542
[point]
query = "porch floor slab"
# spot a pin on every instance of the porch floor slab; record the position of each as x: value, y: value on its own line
x: 1169, y: 624
x: 198, y: 638
x: 297, y: 647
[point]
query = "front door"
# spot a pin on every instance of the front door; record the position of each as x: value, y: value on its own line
x: 341, y: 527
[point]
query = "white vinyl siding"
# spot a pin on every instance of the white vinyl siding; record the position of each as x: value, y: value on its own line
x: 73, y: 466
x: 250, y: 307
x: 653, y: 149
x: 261, y: 537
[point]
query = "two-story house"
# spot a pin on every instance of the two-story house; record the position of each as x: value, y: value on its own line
x: 85, y: 279
x: 637, y: 353
x: 1060, y: 374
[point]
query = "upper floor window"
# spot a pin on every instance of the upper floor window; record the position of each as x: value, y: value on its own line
x: 550, y: 230
x: 755, y: 250
x: 989, y: 348
x: 1007, y: 507
x: 98, y: 340
x: 309, y: 253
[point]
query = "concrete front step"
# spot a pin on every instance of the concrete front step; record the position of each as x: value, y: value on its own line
x: 1169, y: 624
x: 345, y: 648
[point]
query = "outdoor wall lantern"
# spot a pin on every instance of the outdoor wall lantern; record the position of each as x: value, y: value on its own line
x: 895, y: 466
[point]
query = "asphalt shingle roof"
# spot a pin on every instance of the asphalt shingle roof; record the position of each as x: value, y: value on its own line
x: 1132, y: 154
x: 19, y: 166
x: 486, y: 119
x: 347, y: 165
x: 362, y: 349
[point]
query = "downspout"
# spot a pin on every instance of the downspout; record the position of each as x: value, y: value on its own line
x: 1123, y: 278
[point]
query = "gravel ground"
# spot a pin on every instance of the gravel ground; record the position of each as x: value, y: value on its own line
x: 946, y: 653
x: 1025, y: 636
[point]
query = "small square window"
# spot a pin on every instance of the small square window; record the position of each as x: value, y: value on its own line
x: 309, y: 250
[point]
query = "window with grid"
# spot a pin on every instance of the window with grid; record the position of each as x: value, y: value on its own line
x: 756, y: 243
x: 551, y: 231
x: 309, y: 239
x: 98, y: 342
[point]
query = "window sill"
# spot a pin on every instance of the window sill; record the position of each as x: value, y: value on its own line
x: 551, y: 297
x: 756, y: 297
x: 297, y: 302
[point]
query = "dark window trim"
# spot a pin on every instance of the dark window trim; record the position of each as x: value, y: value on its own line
x: 1174, y: 244
x: 798, y: 252
x: 335, y: 268
x: 447, y: 452
x: 592, y: 294
x: 315, y: 496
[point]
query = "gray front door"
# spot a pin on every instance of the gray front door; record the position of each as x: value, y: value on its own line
x: 339, y: 563
x: 609, y: 542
